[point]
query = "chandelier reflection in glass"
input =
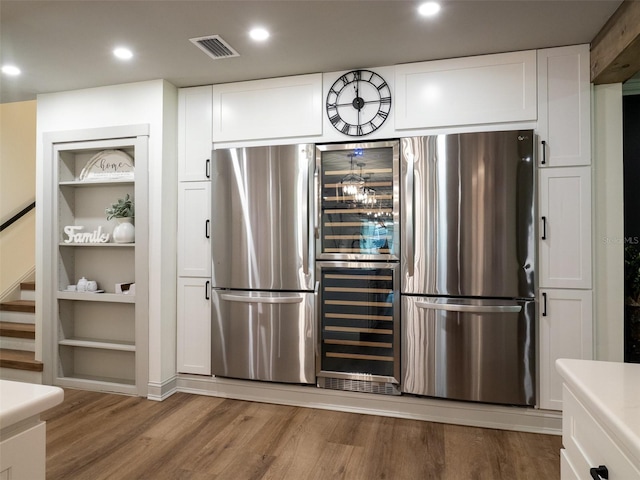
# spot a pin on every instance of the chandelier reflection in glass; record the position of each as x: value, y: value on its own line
x: 353, y: 185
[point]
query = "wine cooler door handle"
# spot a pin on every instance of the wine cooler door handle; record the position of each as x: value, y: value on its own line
x: 600, y: 472
x: 452, y: 307
x: 247, y: 299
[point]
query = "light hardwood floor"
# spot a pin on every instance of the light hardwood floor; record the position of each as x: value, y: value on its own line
x: 103, y: 436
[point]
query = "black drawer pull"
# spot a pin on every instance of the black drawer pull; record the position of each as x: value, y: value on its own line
x: 544, y: 227
x: 206, y: 290
x: 544, y: 304
x: 207, y: 232
x: 207, y: 168
x: 544, y: 153
x: 598, y: 473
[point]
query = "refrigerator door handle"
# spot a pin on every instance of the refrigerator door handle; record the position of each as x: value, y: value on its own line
x: 450, y: 307
x: 316, y: 204
x: 410, y: 241
x: 247, y: 299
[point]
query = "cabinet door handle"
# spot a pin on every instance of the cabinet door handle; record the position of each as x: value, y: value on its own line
x: 544, y: 227
x: 207, y: 168
x: 544, y: 304
x: 207, y: 232
x: 544, y: 153
x: 600, y: 472
x: 206, y: 290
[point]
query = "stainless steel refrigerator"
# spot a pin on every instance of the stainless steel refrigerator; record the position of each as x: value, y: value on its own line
x: 468, y: 263
x: 263, y: 321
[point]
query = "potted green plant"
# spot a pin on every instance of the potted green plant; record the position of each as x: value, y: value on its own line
x: 123, y: 211
x: 632, y: 302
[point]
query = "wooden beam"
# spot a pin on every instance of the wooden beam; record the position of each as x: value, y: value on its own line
x: 615, y: 50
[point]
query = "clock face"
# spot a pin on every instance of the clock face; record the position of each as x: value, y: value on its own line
x: 358, y: 102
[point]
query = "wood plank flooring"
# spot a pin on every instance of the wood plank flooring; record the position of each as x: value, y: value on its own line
x: 104, y: 436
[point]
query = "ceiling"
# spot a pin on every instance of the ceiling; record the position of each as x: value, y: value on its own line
x: 66, y: 45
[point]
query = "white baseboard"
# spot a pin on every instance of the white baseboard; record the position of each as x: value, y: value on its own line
x: 160, y: 391
x: 519, y: 419
x: 13, y: 291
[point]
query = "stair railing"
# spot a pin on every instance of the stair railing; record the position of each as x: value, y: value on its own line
x: 18, y: 216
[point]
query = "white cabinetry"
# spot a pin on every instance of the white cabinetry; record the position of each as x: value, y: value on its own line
x: 195, y: 128
x: 466, y: 91
x: 600, y: 420
x: 565, y: 332
x: 565, y: 227
x: 194, y: 229
x: 194, y: 133
x: 272, y: 108
x: 565, y: 214
x: 194, y: 326
x: 564, y: 106
x: 99, y: 340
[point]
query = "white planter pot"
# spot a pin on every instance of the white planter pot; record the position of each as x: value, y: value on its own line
x: 124, y: 232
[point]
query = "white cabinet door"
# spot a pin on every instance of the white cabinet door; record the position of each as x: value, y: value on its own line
x: 566, y: 331
x: 194, y: 326
x: 466, y: 91
x: 271, y: 108
x: 565, y: 227
x: 194, y: 229
x: 194, y: 133
x: 564, y: 102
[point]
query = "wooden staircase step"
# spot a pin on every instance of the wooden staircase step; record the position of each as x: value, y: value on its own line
x: 18, y: 330
x: 28, y: 286
x: 27, y: 306
x: 19, y: 360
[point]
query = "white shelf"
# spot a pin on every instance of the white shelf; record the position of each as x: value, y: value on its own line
x: 97, y: 297
x: 92, y: 183
x: 104, y: 345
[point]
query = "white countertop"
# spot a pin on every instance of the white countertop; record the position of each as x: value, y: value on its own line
x: 611, y: 392
x: 19, y: 401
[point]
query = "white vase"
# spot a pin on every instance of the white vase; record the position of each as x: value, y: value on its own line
x: 124, y: 232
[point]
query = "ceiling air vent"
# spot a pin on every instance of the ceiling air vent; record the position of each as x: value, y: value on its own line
x: 214, y: 46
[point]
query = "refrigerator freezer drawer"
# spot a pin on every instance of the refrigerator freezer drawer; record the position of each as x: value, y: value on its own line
x: 468, y: 349
x: 263, y: 336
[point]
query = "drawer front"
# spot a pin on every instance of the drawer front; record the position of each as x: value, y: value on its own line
x: 588, y: 445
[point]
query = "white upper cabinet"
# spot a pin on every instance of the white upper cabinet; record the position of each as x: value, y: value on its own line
x: 466, y: 91
x: 564, y: 106
x: 272, y: 108
x: 565, y: 227
x: 194, y: 133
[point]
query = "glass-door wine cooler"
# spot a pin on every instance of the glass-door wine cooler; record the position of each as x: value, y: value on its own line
x: 358, y: 312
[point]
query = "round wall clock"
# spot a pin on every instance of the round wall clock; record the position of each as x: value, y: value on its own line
x: 358, y: 102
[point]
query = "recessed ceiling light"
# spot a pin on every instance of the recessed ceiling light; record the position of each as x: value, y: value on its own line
x: 123, y: 53
x: 429, y: 9
x: 259, y: 34
x: 11, y: 70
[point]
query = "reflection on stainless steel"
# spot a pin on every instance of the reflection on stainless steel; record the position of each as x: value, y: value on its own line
x: 469, y: 215
x: 260, y: 218
x: 465, y: 355
x: 263, y: 314
x: 264, y: 335
x: 468, y: 257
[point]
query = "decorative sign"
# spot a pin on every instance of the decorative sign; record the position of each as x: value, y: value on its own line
x: 77, y: 236
x: 109, y: 164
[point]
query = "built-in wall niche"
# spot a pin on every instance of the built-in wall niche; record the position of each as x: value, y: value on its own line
x: 105, y: 264
x: 97, y: 322
x: 631, y: 159
x: 97, y: 365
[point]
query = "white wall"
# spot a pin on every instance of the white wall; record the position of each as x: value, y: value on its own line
x: 609, y: 222
x: 154, y: 103
x: 17, y: 190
